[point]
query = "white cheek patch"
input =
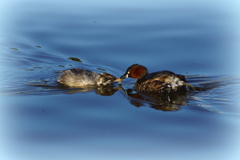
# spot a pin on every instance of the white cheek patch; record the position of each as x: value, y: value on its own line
x: 127, y: 74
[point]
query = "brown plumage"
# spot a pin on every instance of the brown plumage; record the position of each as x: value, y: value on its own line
x: 78, y: 77
x: 155, y: 82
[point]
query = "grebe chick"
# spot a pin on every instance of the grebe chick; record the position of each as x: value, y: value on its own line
x: 155, y: 82
x: 78, y: 77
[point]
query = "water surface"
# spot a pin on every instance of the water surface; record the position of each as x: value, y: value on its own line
x: 42, y: 120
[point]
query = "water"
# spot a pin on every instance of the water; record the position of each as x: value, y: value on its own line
x: 41, y: 120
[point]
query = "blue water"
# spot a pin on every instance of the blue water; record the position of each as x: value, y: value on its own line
x: 42, y: 121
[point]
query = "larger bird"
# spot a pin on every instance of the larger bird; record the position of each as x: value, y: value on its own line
x: 155, y: 82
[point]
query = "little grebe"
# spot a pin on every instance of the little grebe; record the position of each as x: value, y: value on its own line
x: 155, y: 82
x: 78, y: 77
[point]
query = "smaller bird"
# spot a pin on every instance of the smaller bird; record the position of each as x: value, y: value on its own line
x: 78, y: 77
x: 160, y: 81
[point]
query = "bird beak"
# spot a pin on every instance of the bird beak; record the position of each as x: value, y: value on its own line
x: 124, y: 76
x: 117, y: 80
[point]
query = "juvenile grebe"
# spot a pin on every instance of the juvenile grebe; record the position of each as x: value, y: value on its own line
x: 155, y: 82
x: 78, y: 77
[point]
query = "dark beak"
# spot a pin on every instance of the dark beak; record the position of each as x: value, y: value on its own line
x: 124, y: 76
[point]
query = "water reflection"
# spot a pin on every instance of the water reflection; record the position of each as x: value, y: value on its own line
x: 100, y: 90
x: 203, y: 85
x: 159, y: 101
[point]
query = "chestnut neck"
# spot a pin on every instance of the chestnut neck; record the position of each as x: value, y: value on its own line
x: 137, y: 71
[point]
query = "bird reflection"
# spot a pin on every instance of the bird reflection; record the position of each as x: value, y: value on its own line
x: 159, y: 101
x: 100, y: 90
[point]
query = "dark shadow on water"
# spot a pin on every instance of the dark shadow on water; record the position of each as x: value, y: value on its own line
x: 173, y: 101
x: 159, y: 101
x: 164, y: 102
x: 60, y: 89
x: 75, y: 59
x: 205, y: 87
x: 100, y: 90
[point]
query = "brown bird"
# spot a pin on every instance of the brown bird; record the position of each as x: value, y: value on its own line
x: 78, y: 77
x: 155, y: 82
